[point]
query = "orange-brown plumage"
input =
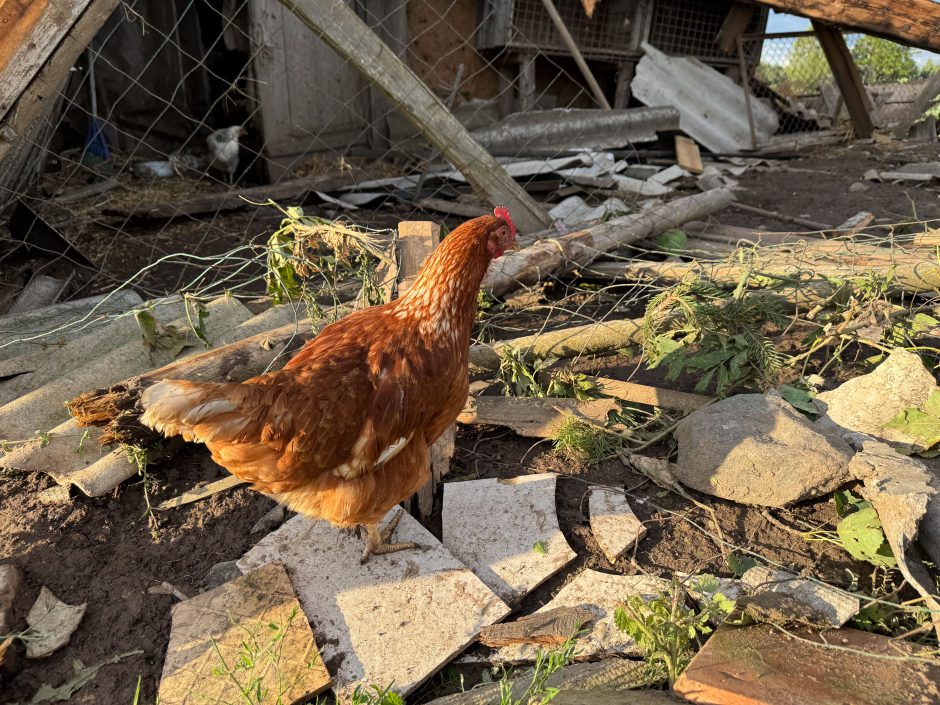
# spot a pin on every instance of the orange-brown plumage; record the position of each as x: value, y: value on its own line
x: 343, y: 431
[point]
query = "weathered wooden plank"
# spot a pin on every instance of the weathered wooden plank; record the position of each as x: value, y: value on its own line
x: 736, y: 22
x: 533, y: 418
x: 914, y: 22
x: 29, y: 33
x: 847, y: 77
x: 340, y: 27
x: 551, y: 628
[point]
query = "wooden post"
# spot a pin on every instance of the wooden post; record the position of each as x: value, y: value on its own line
x: 527, y: 82
x: 736, y: 21
x: 339, y: 26
x: 416, y: 241
x: 913, y: 22
x: 576, y: 54
x: 625, y: 73
x: 847, y: 77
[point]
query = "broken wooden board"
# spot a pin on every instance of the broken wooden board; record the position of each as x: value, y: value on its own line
x: 614, y: 525
x: 601, y: 594
x: 533, y: 418
x: 521, y: 547
x: 396, y: 619
x: 549, y: 628
x: 255, y: 618
x: 688, y: 155
x: 760, y: 665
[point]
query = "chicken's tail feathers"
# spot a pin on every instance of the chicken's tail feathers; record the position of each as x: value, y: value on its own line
x: 197, y: 411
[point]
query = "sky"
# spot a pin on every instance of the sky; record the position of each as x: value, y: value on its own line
x: 780, y: 22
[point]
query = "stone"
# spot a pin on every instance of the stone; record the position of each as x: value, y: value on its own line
x: 871, y: 175
x: 270, y: 520
x: 11, y: 582
x: 866, y: 403
x: 550, y: 628
x: 858, y: 187
x: 396, y: 619
x: 506, y: 531
x: 602, y: 594
x: 256, y: 615
x: 613, y: 523
x: 759, y: 665
x: 899, y: 489
x: 221, y: 573
x: 832, y: 604
x: 757, y: 449
x: 52, y: 623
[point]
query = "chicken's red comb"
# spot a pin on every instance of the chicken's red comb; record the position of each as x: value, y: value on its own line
x: 503, y: 212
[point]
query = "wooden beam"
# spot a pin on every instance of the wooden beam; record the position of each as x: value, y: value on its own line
x: 736, y: 22
x: 340, y: 27
x: 847, y: 77
x: 576, y: 53
x: 913, y: 22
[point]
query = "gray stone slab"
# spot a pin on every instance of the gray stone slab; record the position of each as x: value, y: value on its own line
x: 838, y: 607
x: 395, y: 620
x: 602, y: 594
x: 506, y: 531
x: 613, y: 523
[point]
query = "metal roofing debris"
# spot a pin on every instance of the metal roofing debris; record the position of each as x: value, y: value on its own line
x: 711, y: 105
x: 554, y: 131
x: 394, y: 620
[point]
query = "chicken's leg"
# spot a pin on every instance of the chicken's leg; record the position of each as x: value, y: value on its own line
x: 377, y: 542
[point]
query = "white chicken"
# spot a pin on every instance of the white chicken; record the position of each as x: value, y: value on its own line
x: 223, y: 150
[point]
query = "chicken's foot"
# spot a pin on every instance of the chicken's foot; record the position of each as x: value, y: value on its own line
x: 377, y: 542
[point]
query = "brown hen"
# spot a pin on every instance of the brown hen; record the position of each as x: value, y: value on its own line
x: 343, y: 431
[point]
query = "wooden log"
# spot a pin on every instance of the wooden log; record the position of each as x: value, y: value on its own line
x: 533, y: 418
x: 915, y: 22
x: 556, y: 256
x: 847, y: 77
x: 651, y: 396
x: 550, y: 628
x: 440, y: 205
x: 339, y: 26
x: 588, y: 339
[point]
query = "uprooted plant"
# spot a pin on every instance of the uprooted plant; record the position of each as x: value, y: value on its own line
x: 520, y: 377
x: 696, y: 327
x: 859, y: 531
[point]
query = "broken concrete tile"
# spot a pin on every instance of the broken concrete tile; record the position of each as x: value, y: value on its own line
x: 506, y: 531
x: 837, y: 607
x: 865, y: 404
x: 256, y: 616
x: 668, y: 175
x: 759, y: 665
x: 549, y: 628
x: 52, y: 622
x: 11, y: 580
x: 221, y: 573
x: 613, y: 523
x: 600, y: 593
x: 422, y: 606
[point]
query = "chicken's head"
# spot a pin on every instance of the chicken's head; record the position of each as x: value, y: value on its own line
x: 502, y: 237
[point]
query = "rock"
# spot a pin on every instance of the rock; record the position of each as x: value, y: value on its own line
x: 221, y: 573
x: 865, y: 404
x: 397, y: 619
x: 782, y: 609
x: 871, y: 175
x: 899, y: 489
x: 858, y: 187
x: 759, y: 665
x: 834, y: 606
x: 52, y: 622
x: 506, y: 531
x: 259, y: 609
x: 613, y: 523
x: 271, y: 519
x: 550, y: 628
x: 11, y: 581
x: 600, y: 594
x: 757, y: 449
x: 929, y: 537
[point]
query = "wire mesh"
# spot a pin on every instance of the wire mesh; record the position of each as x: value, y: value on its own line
x: 794, y: 75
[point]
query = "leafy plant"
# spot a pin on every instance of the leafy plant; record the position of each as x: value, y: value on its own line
x: 666, y: 630
x: 520, y: 378
x: 140, y: 458
x: 540, y: 548
x: 374, y: 695
x: 695, y: 327
x: 538, y: 692
x: 673, y: 241
x: 924, y: 423
x: 801, y: 399
x: 739, y: 564
x: 859, y: 531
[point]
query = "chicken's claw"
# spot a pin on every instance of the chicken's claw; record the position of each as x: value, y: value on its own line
x: 377, y: 542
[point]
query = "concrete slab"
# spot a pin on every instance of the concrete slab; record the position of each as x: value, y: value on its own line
x: 838, y: 607
x: 395, y: 620
x: 613, y: 523
x: 759, y: 665
x: 256, y: 616
x: 602, y: 594
x: 506, y: 531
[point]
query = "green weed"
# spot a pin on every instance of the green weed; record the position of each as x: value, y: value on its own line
x: 859, y: 531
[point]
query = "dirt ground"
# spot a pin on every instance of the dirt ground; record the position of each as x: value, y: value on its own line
x: 101, y: 551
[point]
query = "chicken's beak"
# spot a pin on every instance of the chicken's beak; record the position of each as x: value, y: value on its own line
x: 513, y: 246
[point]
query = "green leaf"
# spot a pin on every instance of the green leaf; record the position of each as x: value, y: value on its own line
x: 672, y: 241
x: 540, y: 548
x: 862, y: 536
x: 799, y: 398
x: 739, y: 564
x: 932, y: 406
x: 706, y: 583
x: 847, y: 503
x: 917, y: 423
